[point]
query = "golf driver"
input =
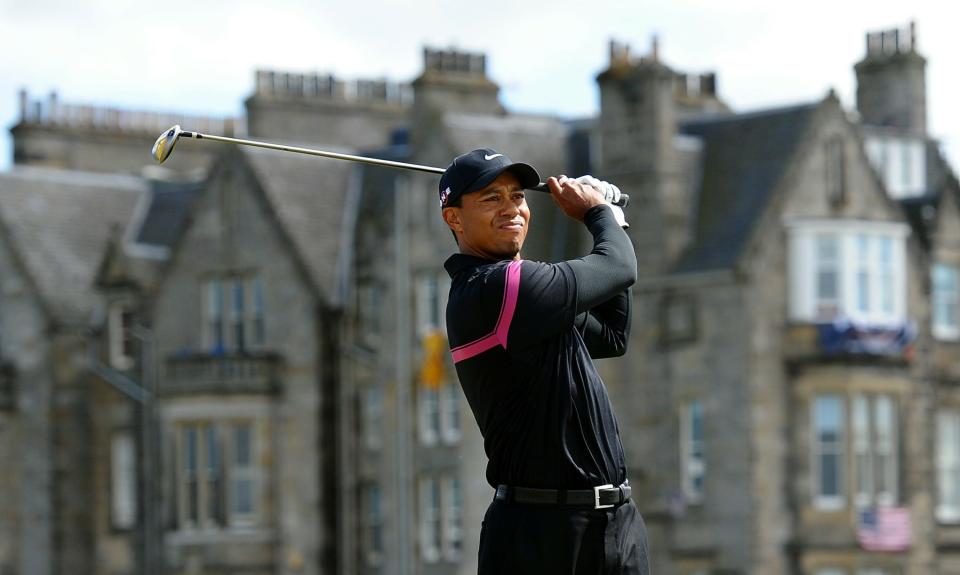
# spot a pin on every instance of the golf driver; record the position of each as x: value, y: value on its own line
x: 163, y: 147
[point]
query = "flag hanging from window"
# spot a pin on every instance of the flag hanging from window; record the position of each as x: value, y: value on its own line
x: 884, y: 529
x: 433, y: 370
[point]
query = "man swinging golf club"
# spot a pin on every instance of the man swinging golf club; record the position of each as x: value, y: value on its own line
x: 523, y: 335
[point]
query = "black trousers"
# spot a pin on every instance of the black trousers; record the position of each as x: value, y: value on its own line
x: 528, y: 539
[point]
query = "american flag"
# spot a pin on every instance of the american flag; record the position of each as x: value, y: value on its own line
x: 884, y: 529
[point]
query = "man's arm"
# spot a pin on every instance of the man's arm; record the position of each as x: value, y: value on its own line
x: 551, y: 296
x: 606, y: 328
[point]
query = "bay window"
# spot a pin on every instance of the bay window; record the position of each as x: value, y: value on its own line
x: 850, y: 269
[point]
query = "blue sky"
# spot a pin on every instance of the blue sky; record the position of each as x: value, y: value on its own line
x: 199, y: 57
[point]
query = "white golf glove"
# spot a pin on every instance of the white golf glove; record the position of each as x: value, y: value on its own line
x: 611, y: 195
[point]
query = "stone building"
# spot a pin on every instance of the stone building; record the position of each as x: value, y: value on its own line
x: 236, y: 363
x: 789, y: 348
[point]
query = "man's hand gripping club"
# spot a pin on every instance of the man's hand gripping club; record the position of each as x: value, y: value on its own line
x: 576, y: 196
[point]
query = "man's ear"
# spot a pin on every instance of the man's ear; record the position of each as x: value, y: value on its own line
x: 451, y: 215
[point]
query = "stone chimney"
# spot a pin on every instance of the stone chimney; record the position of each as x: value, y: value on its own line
x: 452, y: 81
x: 637, y: 132
x: 891, y: 81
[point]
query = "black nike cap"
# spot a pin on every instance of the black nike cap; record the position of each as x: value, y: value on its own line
x: 477, y: 169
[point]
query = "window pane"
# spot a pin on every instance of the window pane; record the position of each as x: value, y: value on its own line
x: 191, y: 486
x: 259, y: 330
x: 861, y: 446
x: 828, y: 275
x: 885, y: 424
x: 241, y: 445
x: 829, y: 475
x: 238, y: 315
x: 123, y: 481
x: 244, y: 496
x: 945, y: 296
x: 948, y: 465
x: 886, y: 279
x: 215, y: 313
x: 214, y: 489
x: 828, y: 444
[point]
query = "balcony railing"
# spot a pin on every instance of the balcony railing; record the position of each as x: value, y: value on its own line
x: 839, y: 340
x: 8, y: 396
x: 222, y: 374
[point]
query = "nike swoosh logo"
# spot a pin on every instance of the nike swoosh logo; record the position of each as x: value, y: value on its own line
x: 486, y: 157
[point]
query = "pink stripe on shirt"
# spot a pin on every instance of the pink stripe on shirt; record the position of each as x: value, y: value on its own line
x: 500, y: 332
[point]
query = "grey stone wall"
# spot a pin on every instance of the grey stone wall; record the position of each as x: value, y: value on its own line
x: 230, y: 232
x: 26, y: 434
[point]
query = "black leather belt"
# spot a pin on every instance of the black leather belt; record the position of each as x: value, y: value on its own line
x: 600, y: 497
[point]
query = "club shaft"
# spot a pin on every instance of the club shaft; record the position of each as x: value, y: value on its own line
x: 541, y: 187
x: 312, y: 152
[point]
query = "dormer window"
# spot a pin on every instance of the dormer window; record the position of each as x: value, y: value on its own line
x: 900, y: 162
x: 121, y: 341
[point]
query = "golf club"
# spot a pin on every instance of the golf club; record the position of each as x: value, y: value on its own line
x: 164, y: 145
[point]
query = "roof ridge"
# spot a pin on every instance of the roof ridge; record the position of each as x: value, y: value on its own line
x: 78, y: 178
x: 750, y: 115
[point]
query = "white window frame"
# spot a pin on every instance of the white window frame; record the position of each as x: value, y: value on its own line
x: 803, y: 265
x: 900, y: 162
x: 452, y: 522
x: 236, y: 472
x: 947, y: 329
x: 430, y: 417
x: 948, y: 464
x: 431, y: 529
x: 123, y: 480
x: 119, y: 335
x: 450, y: 416
x: 429, y: 315
x: 228, y: 473
x: 214, y: 313
x: 837, y: 501
x: 692, y: 454
x: 251, y: 315
x: 876, y: 449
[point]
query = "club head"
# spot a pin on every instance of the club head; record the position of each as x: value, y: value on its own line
x: 163, y: 147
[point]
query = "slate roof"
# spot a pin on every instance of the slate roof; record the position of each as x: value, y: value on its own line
x: 168, y: 208
x: 744, y: 157
x: 60, y: 223
x: 310, y: 197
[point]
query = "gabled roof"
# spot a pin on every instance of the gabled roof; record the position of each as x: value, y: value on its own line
x: 310, y: 198
x: 60, y: 223
x: 744, y: 157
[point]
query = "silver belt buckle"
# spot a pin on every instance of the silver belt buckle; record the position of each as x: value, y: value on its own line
x: 596, y: 496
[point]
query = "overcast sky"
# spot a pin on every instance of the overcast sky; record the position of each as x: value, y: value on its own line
x: 199, y: 57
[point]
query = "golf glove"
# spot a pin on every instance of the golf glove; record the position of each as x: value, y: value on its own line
x: 611, y: 194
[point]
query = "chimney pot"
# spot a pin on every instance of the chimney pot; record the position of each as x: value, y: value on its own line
x: 24, y: 103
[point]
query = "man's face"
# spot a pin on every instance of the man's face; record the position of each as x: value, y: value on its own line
x: 491, y: 223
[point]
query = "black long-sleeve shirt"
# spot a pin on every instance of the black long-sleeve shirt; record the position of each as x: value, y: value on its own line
x: 522, y: 335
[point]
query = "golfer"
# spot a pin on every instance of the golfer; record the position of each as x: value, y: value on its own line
x: 524, y: 335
